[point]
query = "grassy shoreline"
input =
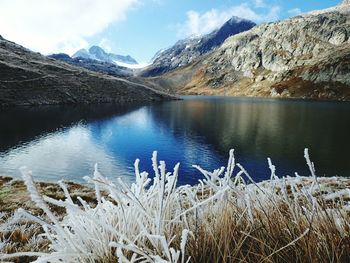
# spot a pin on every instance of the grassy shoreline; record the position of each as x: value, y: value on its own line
x: 14, y: 194
x: 225, y: 218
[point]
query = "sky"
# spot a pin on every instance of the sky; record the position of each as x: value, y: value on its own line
x: 138, y: 28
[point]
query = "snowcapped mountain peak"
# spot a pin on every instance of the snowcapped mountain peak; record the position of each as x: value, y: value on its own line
x: 83, y: 53
x: 187, y: 50
x: 98, y: 53
x: 96, y: 49
x: 235, y: 19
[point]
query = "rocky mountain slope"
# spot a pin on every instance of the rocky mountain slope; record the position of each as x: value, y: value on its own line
x: 94, y: 65
x: 306, y: 56
x: 187, y: 50
x: 29, y: 78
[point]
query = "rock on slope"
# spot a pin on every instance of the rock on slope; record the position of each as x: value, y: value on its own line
x: 28, y: 78
x: 187, y: 50
x: 306, y: 56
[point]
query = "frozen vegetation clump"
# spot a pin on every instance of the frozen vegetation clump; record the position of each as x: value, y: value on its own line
x: 227, y: 217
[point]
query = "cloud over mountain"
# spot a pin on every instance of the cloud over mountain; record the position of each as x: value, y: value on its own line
x: 59, y: 25
x: 203, y: 23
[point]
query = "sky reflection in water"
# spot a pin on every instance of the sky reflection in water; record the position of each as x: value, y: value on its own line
x: 65, y: 142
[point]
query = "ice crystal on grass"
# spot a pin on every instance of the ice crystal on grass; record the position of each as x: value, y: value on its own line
x: 222, y: 219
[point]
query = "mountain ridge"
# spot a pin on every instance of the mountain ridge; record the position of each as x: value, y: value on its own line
x: 187, y: 50
x: 98, y: 53
x: 94, y: 65
x: 29, y: 78
x: 307, y: 56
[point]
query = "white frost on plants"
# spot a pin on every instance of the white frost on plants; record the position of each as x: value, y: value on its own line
x: 140, y: 222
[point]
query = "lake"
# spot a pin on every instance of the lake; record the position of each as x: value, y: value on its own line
x: 64, y: 142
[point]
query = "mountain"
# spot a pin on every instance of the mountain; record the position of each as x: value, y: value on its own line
x: 29, y: 78
x: 187, y: 50
x: 82, y: 53
x: 97, y: 53
x: 307, y: 56
x: 95, y: 65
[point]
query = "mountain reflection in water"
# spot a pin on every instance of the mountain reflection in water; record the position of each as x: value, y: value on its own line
x: 64, y: 142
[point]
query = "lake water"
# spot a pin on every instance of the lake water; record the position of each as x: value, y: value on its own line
x: 64, y: 142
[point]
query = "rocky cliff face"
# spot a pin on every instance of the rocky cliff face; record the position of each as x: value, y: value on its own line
x: 187, y: 50
x: 306, y: 56
x: 28, y: 78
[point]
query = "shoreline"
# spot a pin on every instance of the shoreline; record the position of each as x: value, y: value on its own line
x: 267, y: 98
x: 174, y: 97
x: 163, y: 98
x: 14, y: 194
x: 327, y: 198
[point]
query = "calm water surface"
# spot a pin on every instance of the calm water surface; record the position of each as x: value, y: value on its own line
x: 64, y: 142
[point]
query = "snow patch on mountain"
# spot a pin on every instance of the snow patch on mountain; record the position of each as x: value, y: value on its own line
x: 98, y: 53
x: 131, y: 66
x: 187, y: 50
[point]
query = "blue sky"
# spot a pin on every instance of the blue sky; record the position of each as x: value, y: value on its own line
x: 136, y: 27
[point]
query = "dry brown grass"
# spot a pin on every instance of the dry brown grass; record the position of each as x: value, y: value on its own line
x: 23, y: 237
x: 288, y: 225
x: 282, y: 220
x: 273, y: 236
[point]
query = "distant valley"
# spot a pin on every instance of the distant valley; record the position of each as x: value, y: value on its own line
x: 29, y: 78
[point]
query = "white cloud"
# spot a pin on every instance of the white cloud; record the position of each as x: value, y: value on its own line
x: 59, y: 25
x: 259, y: 3
x: 294, y: 11
x: 199, y: 24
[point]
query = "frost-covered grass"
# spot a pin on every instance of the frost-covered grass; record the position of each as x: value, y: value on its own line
x: 227, y: 217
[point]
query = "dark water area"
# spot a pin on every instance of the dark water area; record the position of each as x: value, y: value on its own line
x: 64, y: 142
